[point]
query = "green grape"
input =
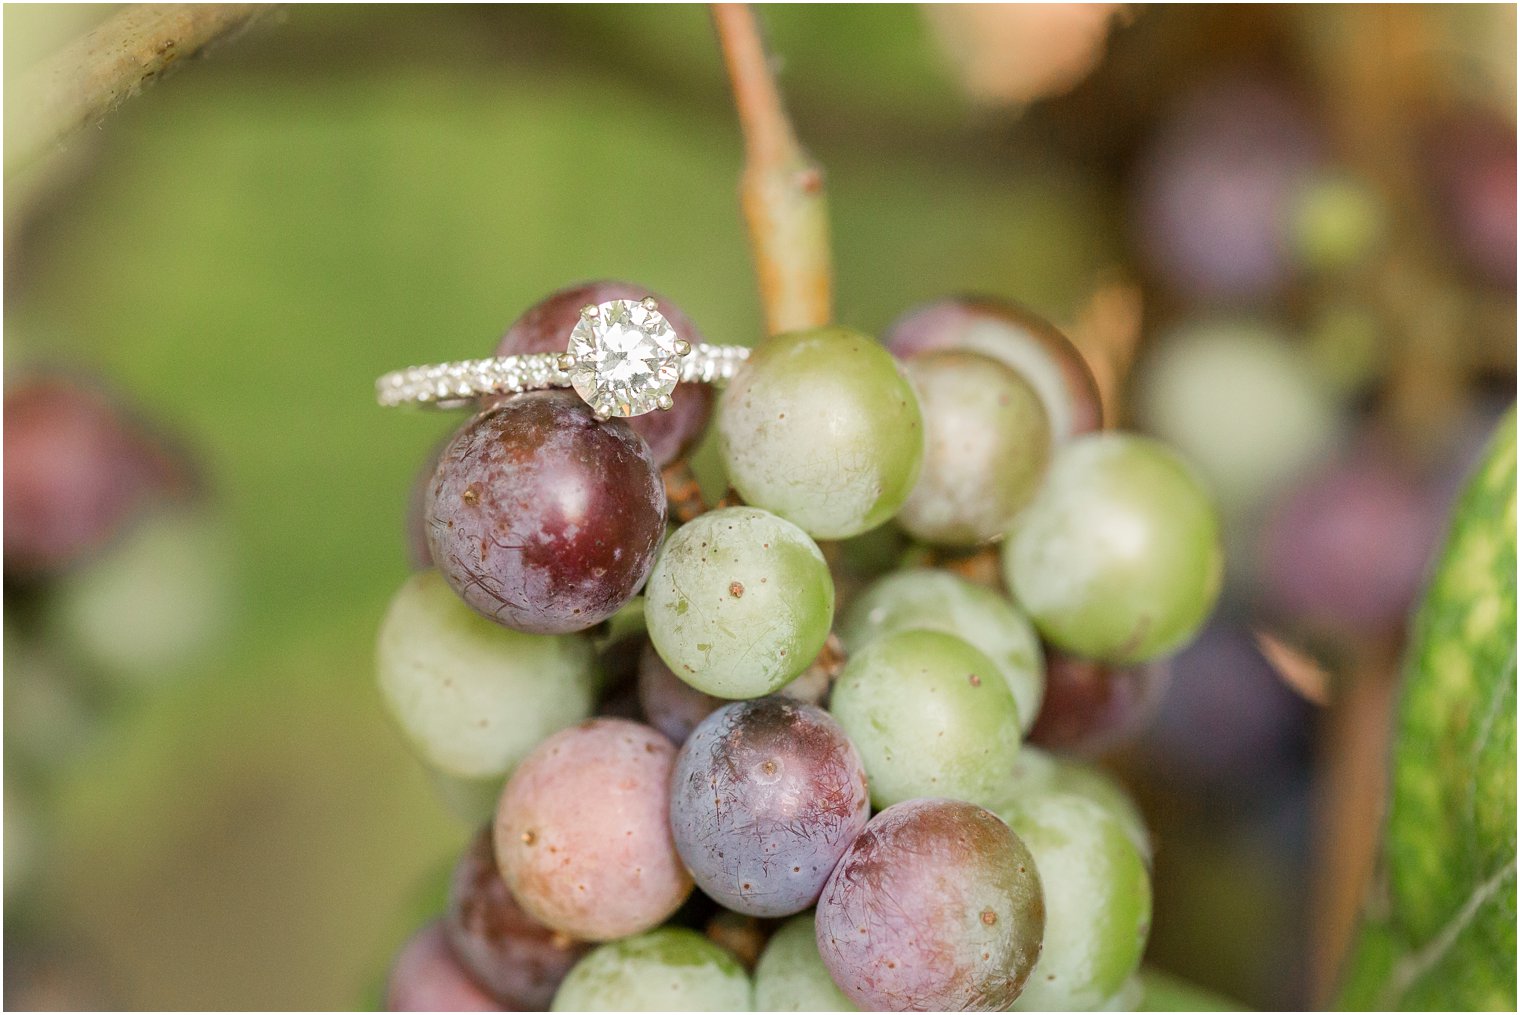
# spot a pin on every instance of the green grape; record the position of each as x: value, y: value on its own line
x: 791, y: 975
x: 1097, y: 901
x: 739, y: 602
x: 940, y: 601
x: 1038, y: 772
x: 1117, y: 558
x: 474, y: 697
x: 670, y: 969
x: 930, y: 717
x: 822, y: 428
x: 986, y: 446
x: 1336, y: 221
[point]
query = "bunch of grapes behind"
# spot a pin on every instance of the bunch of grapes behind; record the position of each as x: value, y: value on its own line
x: 781, y: 752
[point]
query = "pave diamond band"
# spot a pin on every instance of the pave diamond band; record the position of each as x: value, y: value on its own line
x: 624, y: 359
x: 452, y: 385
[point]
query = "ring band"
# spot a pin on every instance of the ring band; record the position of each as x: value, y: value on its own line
x: 666, y: 359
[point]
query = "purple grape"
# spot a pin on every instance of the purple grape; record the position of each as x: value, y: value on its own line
x: 78, y: 469
x: 1345, y: 551
x: 518, y: 960
x: 1015, y: 336
x: 670, y: 704
x: 543, y: 518
x: 1091, y: 707
x: 766, y: 796
x: 546, y: 326
x: 937, y: 906
x: 1215, y: 190
x: 1471, y: 164
x: 426, y: 977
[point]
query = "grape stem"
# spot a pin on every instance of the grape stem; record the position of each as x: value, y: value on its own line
x: 92, y: 75
x: 781, y: 189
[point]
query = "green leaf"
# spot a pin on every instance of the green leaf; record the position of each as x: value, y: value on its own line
x: 1439, y: 931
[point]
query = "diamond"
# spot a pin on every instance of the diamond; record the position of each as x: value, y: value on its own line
x: 626, y: 358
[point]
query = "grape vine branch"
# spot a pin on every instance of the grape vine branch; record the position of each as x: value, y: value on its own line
x: 781, y: 189
x: 99, y: 71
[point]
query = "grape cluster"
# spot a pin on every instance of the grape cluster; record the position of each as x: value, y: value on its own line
x: 847, y: 772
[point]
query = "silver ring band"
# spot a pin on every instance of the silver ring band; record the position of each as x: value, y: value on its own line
x: 453, y: 385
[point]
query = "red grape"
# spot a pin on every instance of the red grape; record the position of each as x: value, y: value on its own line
x: 546, y: 326
x: 670, y: 704
x: 542, y: 517
x: 1090, y: 706
x: 427, y: 977
x: 517, y: 959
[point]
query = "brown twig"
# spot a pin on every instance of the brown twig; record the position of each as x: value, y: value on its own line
x: 93, y: 75
x: 781, y: 189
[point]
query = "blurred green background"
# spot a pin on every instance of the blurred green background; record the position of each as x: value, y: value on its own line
x: 342, y: 190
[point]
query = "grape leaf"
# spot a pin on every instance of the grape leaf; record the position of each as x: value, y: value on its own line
x: 1439, y: 928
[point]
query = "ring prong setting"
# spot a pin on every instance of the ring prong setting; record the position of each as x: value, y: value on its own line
x: 649, y: 303
x: 683, y: 347
x: 591, y: 310
x: 565, y: 361
x: 665, y: 402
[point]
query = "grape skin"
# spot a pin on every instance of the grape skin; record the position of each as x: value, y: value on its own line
x: 767, y: 794
x: 1117, y: 558
x: 669, y: 704
x: 473, y: 698
x: 791, y: 975
x: 546, y: 327
x: 1092, y: 707
x: 739, y: 603
x: 426, y: 977
x: 1039, y: 773
x: 822, y: 428
x: 543, y: 518
x: 987, y: 445
x: 670, y: 969
x: 930, y: 717
x: 1097, y: 901
x: 936, y: 906
x: 583, y: 831
x: 939, y: 601
x: 1018, y: 338
x: 518, y: 960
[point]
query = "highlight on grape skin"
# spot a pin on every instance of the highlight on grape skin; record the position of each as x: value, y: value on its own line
x: 670, y: 969
x: 791, y: 976
x: 937, y: 906
x: 583, y: 831
x: 766, y: 796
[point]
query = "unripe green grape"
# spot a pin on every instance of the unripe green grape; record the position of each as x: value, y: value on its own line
x: 1117, y: 558
x: 739, y: 602
x: 1336, y: 222
x: 791, y: 975
x: 940, y: 601
x: 930, y: 717
x: 670, y: 969
x: 474, y: 697
x: 1097, y: 901
x: 822, y: 428
x: 1038, y: 772
x: 987, y: 442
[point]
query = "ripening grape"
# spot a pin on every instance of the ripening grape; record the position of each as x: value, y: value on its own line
x: 739, y: 602
x: 766, y: 796
x: 426, y: 977
x: 546, y: 327
x: 936, y: 906
x: 1097, y: 901
x: 1117, y: 557
x: 1241, y: 402
x: 791, y: 975
x: 418, y: 554
x: 1092, y: 706
x: 670, y: 969
x: 931, y: 717
x: 744, y: 936
x: 518, y: 960
x: 1018, y: 338
x: 543, y: 518
x: 987, y: 442
x: 670, y: 704
x: 583, y: 831
x: 1215, y: 189
x: 1336, y: 222
x: 1038, y: 773
x: 78, y: 469
x: 473, y: 698
x: 940, y: 601
x: 1470, y: 163
x: 822, y: 428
